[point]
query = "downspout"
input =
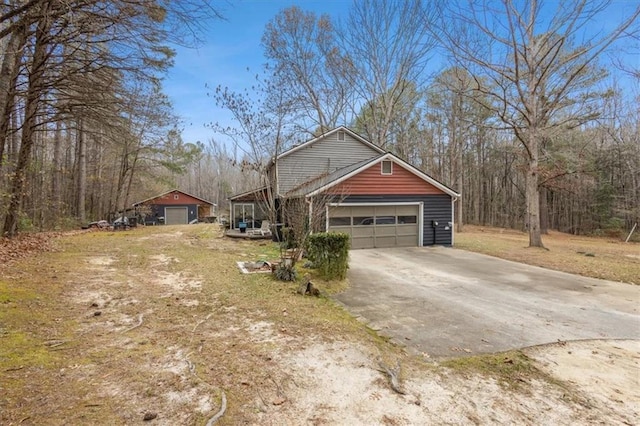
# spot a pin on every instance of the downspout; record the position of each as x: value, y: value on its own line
x: 326, y: 217
x: 309, y: 201
x: 453, y: 215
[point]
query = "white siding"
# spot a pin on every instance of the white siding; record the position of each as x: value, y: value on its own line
x: 321, y: 157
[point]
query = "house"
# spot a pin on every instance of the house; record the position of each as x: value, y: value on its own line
x: 374, y: 196
x: 173, y: 208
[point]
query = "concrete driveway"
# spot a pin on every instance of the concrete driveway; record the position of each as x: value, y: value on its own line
x: 446, y: 302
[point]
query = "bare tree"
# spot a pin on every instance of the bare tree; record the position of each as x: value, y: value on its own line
x: 388, y: 44
x: 541, y: 69
x: 455, y: 102
x: 306, y: 64
x: 72, y: 61
x: 262, y: 132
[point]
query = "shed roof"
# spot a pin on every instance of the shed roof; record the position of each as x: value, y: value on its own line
x: 170, y: 192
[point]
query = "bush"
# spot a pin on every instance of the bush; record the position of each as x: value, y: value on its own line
x: 25, y: 224
x: 329, y: 252
x: 285, y: 272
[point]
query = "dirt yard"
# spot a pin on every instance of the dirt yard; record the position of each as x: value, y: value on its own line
x: 159, y: 324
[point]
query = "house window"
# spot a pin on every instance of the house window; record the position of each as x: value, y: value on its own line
x: 340, y: 135
x: 387, y: 167
x: 176, y: 197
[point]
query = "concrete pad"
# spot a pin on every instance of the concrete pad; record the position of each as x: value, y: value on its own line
x: 446, y: 302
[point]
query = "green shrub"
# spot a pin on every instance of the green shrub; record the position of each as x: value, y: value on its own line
x: 25, y: 224
x: 285, y: 272
x: 329, y: 252
x: 614, y: 223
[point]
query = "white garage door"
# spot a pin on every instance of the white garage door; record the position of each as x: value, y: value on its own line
x: 377, y: 226
x: 176, y: 215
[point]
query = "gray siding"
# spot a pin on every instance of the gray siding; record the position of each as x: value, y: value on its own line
x: 435, y: 208
x: 322, y: 157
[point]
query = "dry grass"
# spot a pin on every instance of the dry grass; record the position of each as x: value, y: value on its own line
x: 510, y: 369
x: 114, y: 325
x: 603, y: 258
x: 71, y: 350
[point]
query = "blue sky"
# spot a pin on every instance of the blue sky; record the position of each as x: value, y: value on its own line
x: 230, y: 47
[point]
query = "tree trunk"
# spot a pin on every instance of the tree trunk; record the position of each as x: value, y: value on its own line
x: 9, y: 71
x: 544, y: 210
x: 32, y: 103
x: 532, y: 195
x: 459, y: 184
x: 82, y: 172
x: 56, y: 179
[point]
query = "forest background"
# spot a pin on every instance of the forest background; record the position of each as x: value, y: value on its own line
x: 530, y: 109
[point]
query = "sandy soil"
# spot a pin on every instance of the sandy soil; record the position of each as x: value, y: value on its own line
x: 341, y: 384
x: 314, y: 381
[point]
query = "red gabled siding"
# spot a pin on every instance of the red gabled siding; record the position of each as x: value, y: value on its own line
x: 169, y: 200
x: 372, y: 182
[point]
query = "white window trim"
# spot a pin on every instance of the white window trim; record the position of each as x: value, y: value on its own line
x: 341, y: 136
x: 382, y: 167
x: 176, y: 196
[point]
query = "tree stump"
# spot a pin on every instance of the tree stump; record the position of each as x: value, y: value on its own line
x: 307, y: 287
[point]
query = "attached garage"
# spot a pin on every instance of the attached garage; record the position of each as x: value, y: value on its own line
x: 176, y: 215
x: 378, y: 225
x: 384, y: 202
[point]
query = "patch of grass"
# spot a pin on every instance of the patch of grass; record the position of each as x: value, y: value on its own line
x: 10, y: 293
x: 588, y: 256
x: 20, y: 350
x: 226, y: 324
x: 510, y: 369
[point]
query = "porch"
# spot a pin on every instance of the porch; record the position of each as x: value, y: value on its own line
x: 248, y: 235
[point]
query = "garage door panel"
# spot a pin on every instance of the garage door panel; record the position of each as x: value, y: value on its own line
x: 385, y: 231
x: 362, y: 211
x: 176, y: 215
x: 362, y: 242
x: 362, y: 231
x: 408, y: 241
x: 383, y: 242
x: 385, y: 210
x: 406, y: 210
x: 340, y: 211
x: 405, y: 230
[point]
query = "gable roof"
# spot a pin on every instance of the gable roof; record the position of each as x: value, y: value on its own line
x: 330, y: 132
x: 171, y: 191
x: 323, y: 183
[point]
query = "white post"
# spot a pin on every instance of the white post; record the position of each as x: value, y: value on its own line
x: 631, y: 233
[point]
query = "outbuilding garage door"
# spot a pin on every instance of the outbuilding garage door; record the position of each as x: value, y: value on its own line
x: 176, y: 215
x: 377, y: 226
